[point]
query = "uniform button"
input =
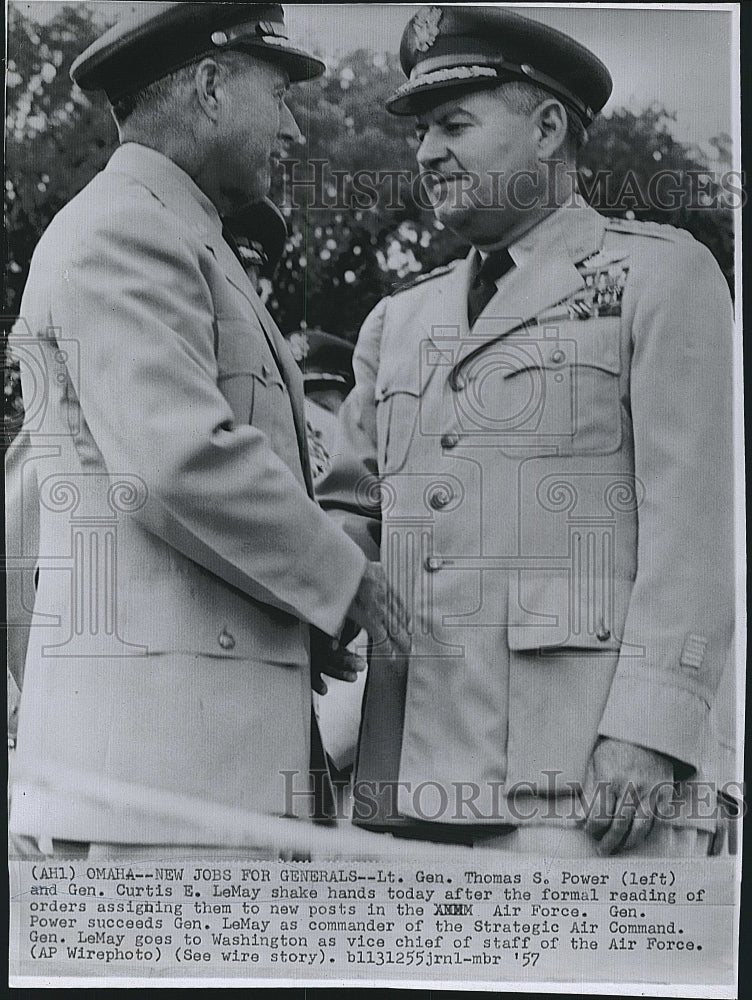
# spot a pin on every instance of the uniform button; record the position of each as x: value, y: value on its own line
x: 433, y: 564
x: 557, y: 357
x: 440, y: 497
x: 603, y: 634
x: 457, y: 382
x: 226, y: 640
x: 450, y: 440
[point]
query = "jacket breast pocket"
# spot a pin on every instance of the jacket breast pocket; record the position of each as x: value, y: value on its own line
x: 562, y: 395
x: 256, y: 396
x: 248, y: 376
x: 269, y: 399
x: 397, y: 412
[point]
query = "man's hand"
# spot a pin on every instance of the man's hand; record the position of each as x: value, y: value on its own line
x: 330, y: 657
x: 624, y: 782
x: 380, y: 611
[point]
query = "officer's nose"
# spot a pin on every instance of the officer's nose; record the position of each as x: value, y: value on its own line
x: 288, y: 127
x: 432, y: 152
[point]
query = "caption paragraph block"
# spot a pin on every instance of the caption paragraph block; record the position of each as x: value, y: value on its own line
x: 664, y: 922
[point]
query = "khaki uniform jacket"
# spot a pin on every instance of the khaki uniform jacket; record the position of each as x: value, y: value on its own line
x: 181, y: 557
x: 554, y: 497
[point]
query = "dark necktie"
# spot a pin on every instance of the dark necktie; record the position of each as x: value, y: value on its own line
x: 483, y: 287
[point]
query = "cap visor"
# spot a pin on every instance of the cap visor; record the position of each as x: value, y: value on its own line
x: 300, y: 65
x: 430, y: 94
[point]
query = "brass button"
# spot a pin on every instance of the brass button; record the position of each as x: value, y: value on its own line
x: 433, y: 564
x: 450, y: 440
x: 226, y: 640
x: 457, y: 382
x: 440, y: 497
x: 557, y: 357
x: 603, y: 634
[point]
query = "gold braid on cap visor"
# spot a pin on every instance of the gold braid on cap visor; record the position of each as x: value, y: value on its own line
x: 431, y: 71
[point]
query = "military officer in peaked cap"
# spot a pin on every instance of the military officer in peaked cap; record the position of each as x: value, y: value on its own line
x: 541, y: 433
x: 167, y: 673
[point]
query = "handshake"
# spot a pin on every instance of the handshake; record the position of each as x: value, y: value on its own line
x: 381, y: 613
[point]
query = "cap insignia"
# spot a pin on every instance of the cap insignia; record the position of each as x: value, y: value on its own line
x: 426, y: 27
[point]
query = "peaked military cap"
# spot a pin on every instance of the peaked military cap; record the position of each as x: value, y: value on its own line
x: 161, y: 38
x: 325, y: 359
x: 467, y: 46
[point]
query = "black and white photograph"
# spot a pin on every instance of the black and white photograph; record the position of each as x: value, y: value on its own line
x: 374, y: 476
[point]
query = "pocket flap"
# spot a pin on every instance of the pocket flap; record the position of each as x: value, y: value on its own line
x: 382, y: 392
x: 549, y: 608
x: 596, y: 345
x: 239, y: 352
x: 397, y: 408
x: 394, y: 378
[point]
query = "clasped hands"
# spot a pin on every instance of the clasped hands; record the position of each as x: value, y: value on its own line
x: 378, y: 610
x: 626, y: 786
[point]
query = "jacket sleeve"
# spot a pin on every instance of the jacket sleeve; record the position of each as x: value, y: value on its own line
x: 680, y: 619
x: 21, y: 549
x: 140, y: 306
x: 350, y: 490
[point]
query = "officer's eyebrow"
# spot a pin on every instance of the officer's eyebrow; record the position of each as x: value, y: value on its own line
x: 447, y: 112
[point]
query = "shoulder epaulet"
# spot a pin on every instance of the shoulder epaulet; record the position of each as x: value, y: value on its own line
x: 656, y: 230
x: 421, y: 278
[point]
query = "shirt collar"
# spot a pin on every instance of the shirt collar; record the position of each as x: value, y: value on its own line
x: 530, y: 243
x: 533, y: 243
x: 522, y: 249
x: 170, y: 184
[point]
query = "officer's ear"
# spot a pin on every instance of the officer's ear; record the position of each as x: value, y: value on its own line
x: 550, y: 118
x: 209, y: 87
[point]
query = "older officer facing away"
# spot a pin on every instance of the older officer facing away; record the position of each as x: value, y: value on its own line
x: 550, y: 424
x: 182, y: 559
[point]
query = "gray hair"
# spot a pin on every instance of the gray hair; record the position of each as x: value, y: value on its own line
x: 159, y: 97
x: 523, y: 98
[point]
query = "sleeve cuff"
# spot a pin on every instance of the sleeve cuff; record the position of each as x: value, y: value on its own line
x: 330, y: 615
x: 658, y: 716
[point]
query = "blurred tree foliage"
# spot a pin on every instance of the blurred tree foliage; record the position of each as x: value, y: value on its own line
x: 641, y: 153
x: 345, y: 250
